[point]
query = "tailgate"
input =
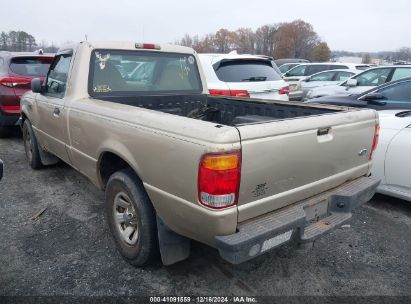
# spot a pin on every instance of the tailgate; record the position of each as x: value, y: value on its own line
x: 292, y: 159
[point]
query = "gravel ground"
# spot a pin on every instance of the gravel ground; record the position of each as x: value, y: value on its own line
x: 68, y: 250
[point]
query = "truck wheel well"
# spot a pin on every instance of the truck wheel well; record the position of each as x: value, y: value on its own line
x: 23, y: 118
x: 109, y: 164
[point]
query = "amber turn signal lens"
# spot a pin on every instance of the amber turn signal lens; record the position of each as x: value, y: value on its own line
x: 221, y: 161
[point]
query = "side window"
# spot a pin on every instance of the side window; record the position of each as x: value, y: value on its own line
x: 335, y: 66
x: 326, y: 76
x: 398, y: 92
x: 373, y: 77
x: 297, y: 71
x: 57, y: 76
x: 341, y: 76
x: 316, y: 68
x: 401, y: 73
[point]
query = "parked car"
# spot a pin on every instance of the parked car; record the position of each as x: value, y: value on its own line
x: 243, y: 76
x: 16, y: 72
x: 241, y: 175
x: 392, y: 95
x: 323, y: 79
x: 302, y: 71
x: 290, y: 60
x: 392, y: 159
x: 287, y: 66
x: 363, y: 81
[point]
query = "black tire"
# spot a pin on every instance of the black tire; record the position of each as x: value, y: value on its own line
x: 31, y: 146
x: 125, y: 185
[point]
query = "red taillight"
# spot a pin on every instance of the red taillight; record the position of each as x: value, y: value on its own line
x: 219, y: 179
x: 10, y: 109
x: 148, y: 46
x: 14, y: 81
x: 375, y: 140
x: 284, y: 90
x: 237, y: 93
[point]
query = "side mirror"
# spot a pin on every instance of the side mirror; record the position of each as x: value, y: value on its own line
x: 351, y: 82
x: 375, y: 99
x: 36, y: 86
x: 373, y: 96
x: 308, y: 79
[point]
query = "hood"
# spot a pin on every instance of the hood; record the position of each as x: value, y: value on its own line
x: 335, y: 99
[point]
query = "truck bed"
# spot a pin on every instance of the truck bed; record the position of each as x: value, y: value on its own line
x: 290, y: 150
x: 223, y: 110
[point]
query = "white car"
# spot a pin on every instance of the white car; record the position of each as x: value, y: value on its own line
x: 324, y: 78
x: 392, y: 158
x: 302, y: 71
x: 243, y: 76
x: 363, y: 81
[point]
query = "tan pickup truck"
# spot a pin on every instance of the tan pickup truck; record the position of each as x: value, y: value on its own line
x: 241, y: 175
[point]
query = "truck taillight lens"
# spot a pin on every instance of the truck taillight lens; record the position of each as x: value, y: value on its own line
x: 375, y: 140
x: 284, y: 90
x: 219, y: 179
x: 236, y: 93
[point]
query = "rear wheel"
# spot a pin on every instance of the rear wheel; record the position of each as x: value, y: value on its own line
x: 31, y: 146
x: 131, y: 218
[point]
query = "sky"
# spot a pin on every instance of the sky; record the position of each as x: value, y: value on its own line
x: 352, y: 25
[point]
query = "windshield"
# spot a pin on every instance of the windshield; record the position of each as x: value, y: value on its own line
x: 297, y: 71
x: 31, y: 66
x: 286, y: 67
x: 122, y: 72
x: 246, y: 71
x: 373, y: 77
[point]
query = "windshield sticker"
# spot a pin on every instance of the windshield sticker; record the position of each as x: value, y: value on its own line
x: 185, y: 69
x: 191, y: 60
x: 102, y: 60
x: 102, y: 88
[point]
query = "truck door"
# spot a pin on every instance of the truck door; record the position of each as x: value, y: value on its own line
x: 52, y: 113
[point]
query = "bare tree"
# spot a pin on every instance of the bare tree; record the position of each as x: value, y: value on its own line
x: 321, y: 52
x: 265, y: 37
x: 403, y: 54
x: 366, y: 58
x: 296, y: 39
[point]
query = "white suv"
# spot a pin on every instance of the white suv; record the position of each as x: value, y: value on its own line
x: 243, y: 76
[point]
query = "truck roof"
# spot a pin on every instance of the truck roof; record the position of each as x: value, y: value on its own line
x: 130, y: 45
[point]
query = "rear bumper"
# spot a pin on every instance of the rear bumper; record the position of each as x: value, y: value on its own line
x: 296, y: 95
x: 9, y: 120
x: 300, y: 222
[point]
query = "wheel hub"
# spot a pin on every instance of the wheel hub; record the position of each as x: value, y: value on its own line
x: 126, y: 218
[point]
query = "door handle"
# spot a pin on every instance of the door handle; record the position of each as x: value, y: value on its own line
x: 56, y: 112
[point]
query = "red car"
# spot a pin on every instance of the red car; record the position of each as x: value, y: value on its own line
x: 16, y: 72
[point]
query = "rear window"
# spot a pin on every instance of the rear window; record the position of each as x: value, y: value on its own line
x: 362, y: 67
x: 246, y: 71
x: 120, y: 72
x: 312, y: 69
x: 336, y: 66
x: 30, y: 66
